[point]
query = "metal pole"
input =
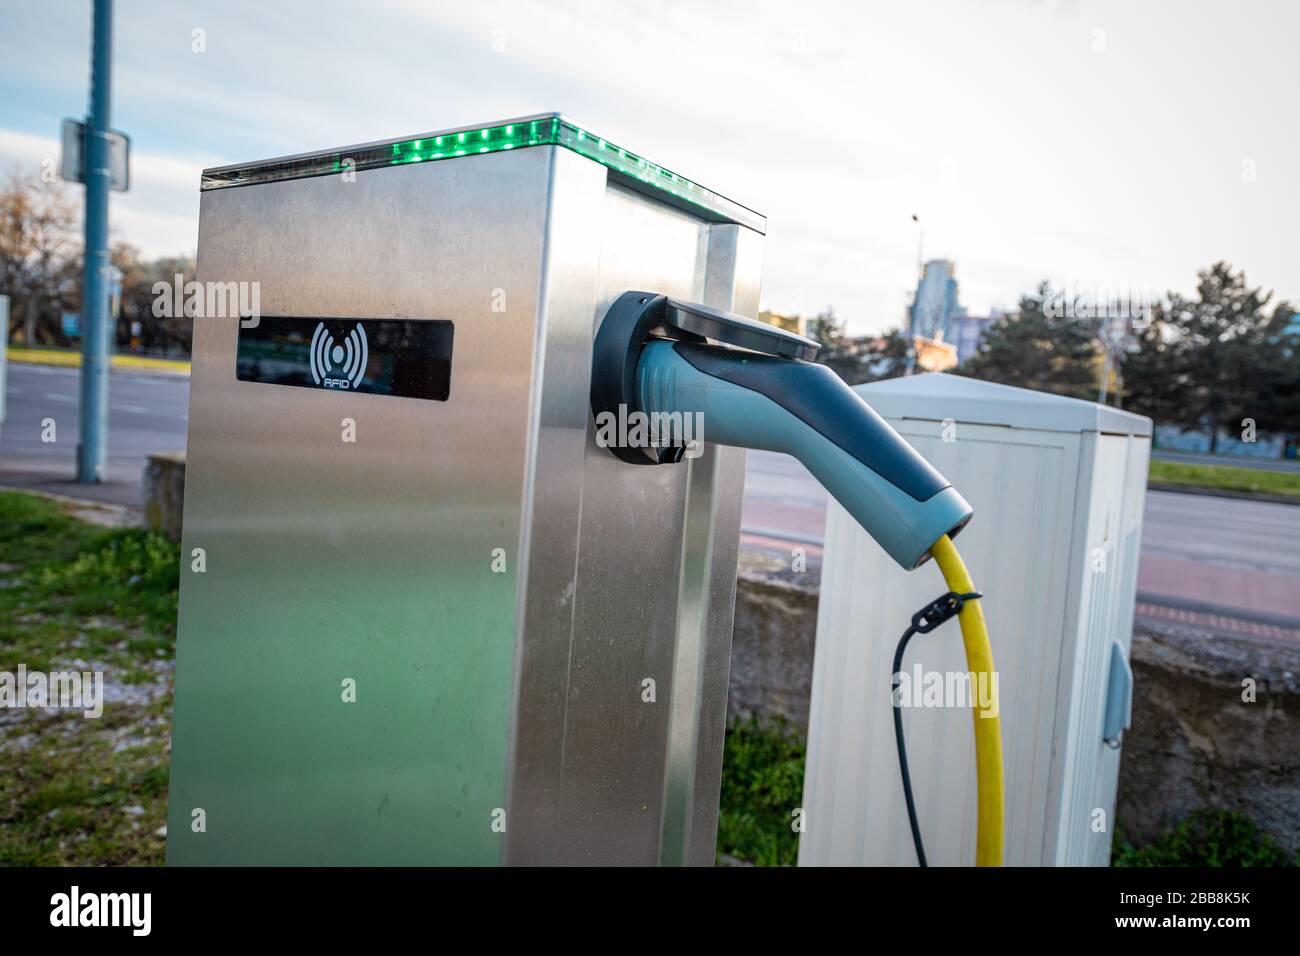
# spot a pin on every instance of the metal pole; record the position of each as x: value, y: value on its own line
x: 95, y: 331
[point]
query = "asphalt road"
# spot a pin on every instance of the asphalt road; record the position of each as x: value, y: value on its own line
x: 1198, y: 549
x: 147, y: 413
x: 1223, y: 552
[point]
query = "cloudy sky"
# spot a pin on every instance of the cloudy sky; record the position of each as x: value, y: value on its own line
x: 1122, y: 144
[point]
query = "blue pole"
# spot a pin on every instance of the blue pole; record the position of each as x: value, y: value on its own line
x: 95, y: 332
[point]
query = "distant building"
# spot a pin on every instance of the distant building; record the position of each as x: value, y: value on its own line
x: 935, y: 304
x: 967, y: 332
x: 797, y: 324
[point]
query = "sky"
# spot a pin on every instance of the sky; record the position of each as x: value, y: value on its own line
x: 1114, y: 145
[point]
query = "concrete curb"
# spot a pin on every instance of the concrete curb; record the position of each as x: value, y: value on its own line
x: 102, y: 513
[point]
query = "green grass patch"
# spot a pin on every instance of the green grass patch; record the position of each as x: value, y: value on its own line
x: 86, y: 792
x: 131, y: 574
x: 1206, y: 838
x: 65, y: 571
x: 762, y: 786
x: 78, y: 791
x: 35, y: 531
x: 1226, y: 478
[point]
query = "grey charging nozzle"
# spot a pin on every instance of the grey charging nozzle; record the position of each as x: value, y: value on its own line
x: 773, y: 400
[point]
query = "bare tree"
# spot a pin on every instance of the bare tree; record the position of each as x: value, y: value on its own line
x: 38, y: 251
x: 165, y: 335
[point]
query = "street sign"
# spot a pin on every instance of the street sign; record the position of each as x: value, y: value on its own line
x: 72, y: 324
x: 73, y: 167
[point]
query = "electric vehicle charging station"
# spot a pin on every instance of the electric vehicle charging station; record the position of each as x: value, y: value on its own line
x: 1059, y: 486
x: 431, y: 616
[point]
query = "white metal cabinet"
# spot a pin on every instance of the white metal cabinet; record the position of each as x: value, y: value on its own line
x: 1057, y: 485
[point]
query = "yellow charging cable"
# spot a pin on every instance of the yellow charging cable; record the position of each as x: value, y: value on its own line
x: 988, y: 729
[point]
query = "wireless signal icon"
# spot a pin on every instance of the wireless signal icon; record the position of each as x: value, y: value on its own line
x: 336, y: 365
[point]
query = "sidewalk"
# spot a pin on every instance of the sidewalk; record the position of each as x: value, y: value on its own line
x: 124, y: 487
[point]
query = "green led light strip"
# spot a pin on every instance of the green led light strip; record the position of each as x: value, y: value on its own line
x: 631, y: 169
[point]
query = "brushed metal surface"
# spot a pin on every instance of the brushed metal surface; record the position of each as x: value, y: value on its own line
x: 632, y: 780
x: 368, y: 561
x: 553, y: 502
x: 710, y: 550
x: 512, y: 697
x: 607, y: 803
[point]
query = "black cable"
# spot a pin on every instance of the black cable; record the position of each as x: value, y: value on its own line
x: 923, y: 622
x: 902, y: 747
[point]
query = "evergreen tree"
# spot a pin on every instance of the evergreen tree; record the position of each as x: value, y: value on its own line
x: 1039, y: 348
x: 835, y: 352
x: 851, y: 359
x: 887, y: 358
x: 1218, y: 359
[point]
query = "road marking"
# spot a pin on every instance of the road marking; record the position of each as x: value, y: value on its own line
x: 133, y: 408
x: 57, y: 397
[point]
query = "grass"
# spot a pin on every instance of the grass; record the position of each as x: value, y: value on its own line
x: 1215, y: 838
x: 1226, y: 478
x: 80, y: 791
x: 762, y: 786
